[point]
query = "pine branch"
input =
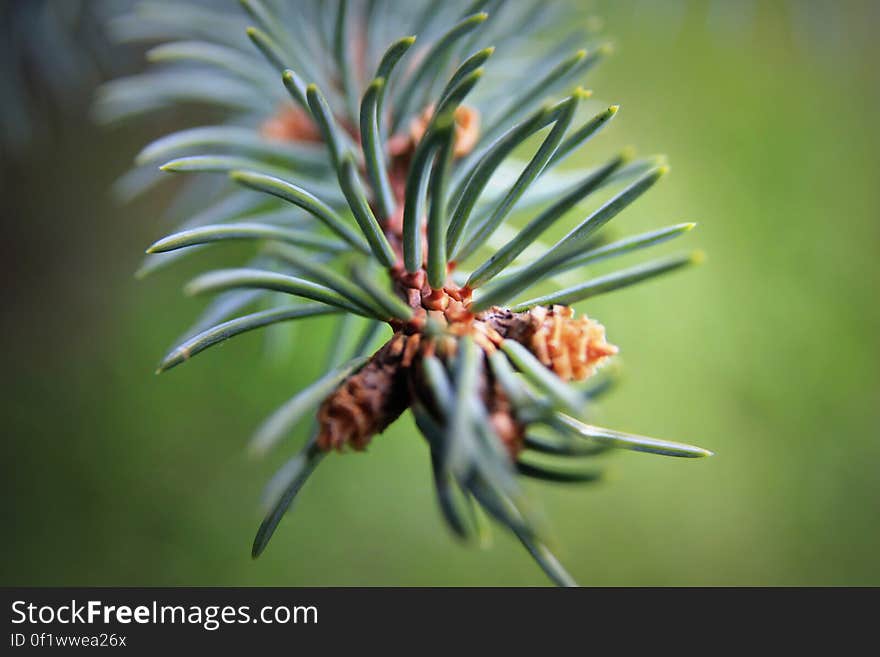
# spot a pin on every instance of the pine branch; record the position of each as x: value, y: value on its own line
x: 421, y: 164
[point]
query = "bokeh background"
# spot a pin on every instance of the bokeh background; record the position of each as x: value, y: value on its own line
x: 768, y: 354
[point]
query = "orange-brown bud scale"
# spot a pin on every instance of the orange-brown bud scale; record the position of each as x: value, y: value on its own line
x: 467, y: 128
x: 572, y: 348
x: 290, y: 123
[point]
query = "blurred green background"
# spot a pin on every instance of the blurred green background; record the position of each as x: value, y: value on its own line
x: 768, y: 354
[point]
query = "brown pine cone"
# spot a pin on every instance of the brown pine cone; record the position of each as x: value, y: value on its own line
x: 367, y: 401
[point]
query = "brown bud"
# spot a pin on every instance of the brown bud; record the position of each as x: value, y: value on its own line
x: 572, y: 348
x: 367, y: 401
x: 290, y: 123
x: 467, y: 128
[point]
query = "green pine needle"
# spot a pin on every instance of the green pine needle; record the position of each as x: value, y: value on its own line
x: 392, y: 305
x: 619, y: 247
x: 323, y: 274
x: 558, y: 475
x: 427, y: 63
x: 244, y: 231
x: 229, y: 279
x: 340, y: 50
x: 582, y: 135
x: 237, y: 326
x: 387, y: 64
x: 562, y: 394
x: 296, y: 88
x: 303, y: 199
x: 417, y: 178
x: 297, y: 472
x: 240, y: 140
x: 565, y: 114
x: 622, y: 440
x: 569, y: 246
x: 269, y: 48
x: 474, y: 181
x: 557, y: 447
x: 336, y: 140
x: 374, y: 154
x: 577, y: 63
x: 437, y: 212
x: 468, y: 66
x: 219, y: 164
x: 349, y: 181
x: 460, y: 432
x: 609, y: 282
